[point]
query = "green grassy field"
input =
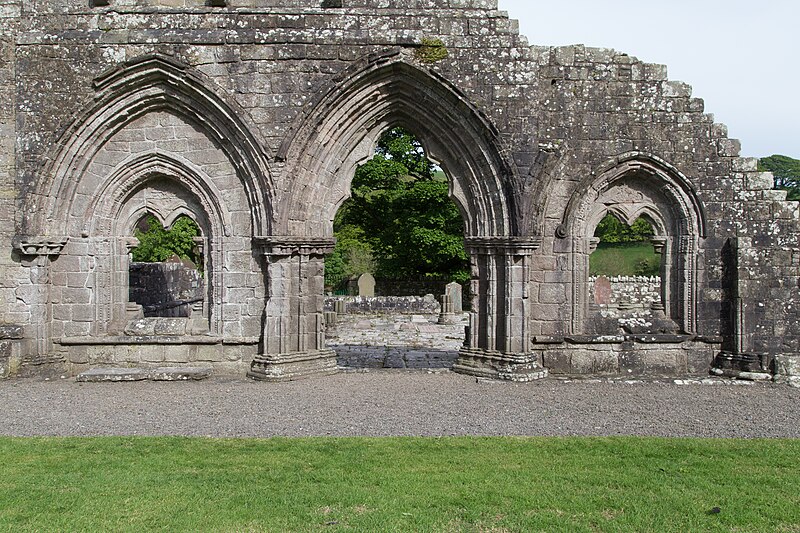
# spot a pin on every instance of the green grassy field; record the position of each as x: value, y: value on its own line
x: 622, y: 259
x: 399, y: 484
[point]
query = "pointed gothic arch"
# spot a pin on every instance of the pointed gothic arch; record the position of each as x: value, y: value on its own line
x: 140, y: 86
x: 628, y: 186
x: 339, y: 130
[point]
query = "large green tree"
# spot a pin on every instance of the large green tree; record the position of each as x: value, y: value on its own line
x: 400, y: 216
x: 786, y: 171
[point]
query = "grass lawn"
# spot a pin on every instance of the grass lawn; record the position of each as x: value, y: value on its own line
x: 622, y: 259
x: 399, y: 484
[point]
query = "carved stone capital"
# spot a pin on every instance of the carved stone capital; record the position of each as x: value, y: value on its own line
x: 658, y: 244
x: 281, y: 245
x: 130, y: 243
x: 490, y: 245
x: 40, y: 246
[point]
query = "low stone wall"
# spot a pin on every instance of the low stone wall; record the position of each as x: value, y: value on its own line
x: 165, y: 289
x: 408, y: 305
x: 228, y: 357
x: 630, y: 355
x: 393, y: 287
x: 363, y: 341
x: 631, y: 291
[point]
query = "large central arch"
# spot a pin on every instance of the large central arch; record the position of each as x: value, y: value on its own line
x: 340, y: 130
x: 337, y: 132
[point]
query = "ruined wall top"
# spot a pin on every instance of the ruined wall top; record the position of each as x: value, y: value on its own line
x: 79, y: 6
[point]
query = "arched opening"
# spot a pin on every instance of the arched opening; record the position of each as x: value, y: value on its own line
x: 169, y: 268
x: 336, y: 132
x: 630, y: 187
x: 397, y: 274
x: 625, y: 276
x: 166, y: 273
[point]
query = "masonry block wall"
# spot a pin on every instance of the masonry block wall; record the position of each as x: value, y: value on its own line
x: 250, y: 116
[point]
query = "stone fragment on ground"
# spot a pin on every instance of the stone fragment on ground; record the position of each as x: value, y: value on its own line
x: 96, y: 375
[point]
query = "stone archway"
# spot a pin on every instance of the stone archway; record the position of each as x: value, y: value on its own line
x: 338, y: 131
x: 156, y: 138
x: 633, y: 185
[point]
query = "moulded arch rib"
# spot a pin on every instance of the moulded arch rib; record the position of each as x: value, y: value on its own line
x: 671, y: 181
x: 340, y: 128
x: 136, y: 172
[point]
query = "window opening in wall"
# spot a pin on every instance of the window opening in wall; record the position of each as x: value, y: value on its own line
x: 167, y: 268
x: 626, y: 278
x: 624, y: 250
x: 400, y: 237
x: 332, y: 3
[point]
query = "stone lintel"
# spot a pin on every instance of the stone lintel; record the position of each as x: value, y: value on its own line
x: 286, y: 245
x: 40, y: 246
x: 293, y: 366
x: 114, y: 374
x: 643, y: 338
x: 490, y: 245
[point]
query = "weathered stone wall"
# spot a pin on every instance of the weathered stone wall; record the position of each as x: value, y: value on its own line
x: 631, y: 291
x: 399, y: 305
x: 166, y: 289
x: 252, y: 118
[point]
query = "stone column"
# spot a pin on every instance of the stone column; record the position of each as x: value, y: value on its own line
x: 293, y: 343
x: 37, y: 254
x: 737, y: 358
x: 498, y: 341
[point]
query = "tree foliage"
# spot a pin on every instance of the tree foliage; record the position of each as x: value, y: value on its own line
x: 612, y: 230
x: 786, y: 171
x: 158, y: 244
x: 400, y: 217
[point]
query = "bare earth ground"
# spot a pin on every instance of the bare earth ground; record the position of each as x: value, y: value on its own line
x: 392, y: 402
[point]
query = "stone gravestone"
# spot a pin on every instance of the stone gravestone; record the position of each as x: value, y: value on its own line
x: 366, y: 285
x: 451, y: 304
x: 602, y: 291
x: 453, y: 290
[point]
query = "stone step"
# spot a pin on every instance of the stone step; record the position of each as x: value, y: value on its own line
x: 95, y: 375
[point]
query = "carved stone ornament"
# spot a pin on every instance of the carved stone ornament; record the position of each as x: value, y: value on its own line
x: 289, y: 245
x: 499, y: 244
x: 40, y: 246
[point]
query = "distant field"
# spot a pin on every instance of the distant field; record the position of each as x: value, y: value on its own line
x: 622, y: 259
x: 399, y: 484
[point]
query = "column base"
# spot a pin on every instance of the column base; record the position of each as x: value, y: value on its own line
x: 292, y: 366
x: 752, y: 367
x: 496, y: 365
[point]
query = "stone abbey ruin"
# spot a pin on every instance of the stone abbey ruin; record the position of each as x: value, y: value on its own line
x: 250, y: 117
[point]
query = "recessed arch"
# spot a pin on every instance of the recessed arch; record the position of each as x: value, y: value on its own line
x: 629, y: 186
x: 340, y: 128
x: 133, y: 173
x: 676, y: 187
x: 144, y: 85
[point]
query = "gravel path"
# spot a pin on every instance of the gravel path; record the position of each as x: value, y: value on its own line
x: 382, y: 403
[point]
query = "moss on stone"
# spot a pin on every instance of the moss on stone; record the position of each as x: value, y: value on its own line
x: 431, y: 51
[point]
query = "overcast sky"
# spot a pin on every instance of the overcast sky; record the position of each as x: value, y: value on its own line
x: 741, y: 56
